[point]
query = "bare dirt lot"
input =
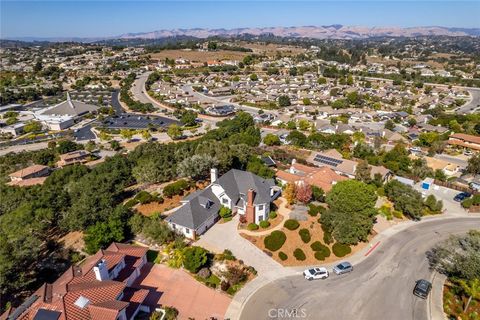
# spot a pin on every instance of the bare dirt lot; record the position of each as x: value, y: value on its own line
x: 201, y: 56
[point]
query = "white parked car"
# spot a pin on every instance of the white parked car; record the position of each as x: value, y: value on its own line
x: 316, y: 273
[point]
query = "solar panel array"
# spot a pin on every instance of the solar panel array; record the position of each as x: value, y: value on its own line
x: 327, y: 160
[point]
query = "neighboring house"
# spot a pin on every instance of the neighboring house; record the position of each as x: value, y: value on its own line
x: 29, y: 176
x: 98, y: 289
x: 465, y: 140
x: 78, y: 156
x: 243, y: 192
x: 14, y: 129
x: 334, y: 160
x: 322, y: 177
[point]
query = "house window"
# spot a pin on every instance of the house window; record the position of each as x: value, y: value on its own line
x: 187, y: 231
x: 174, y: 226
x: 260, y: 207
x: 224, y: 200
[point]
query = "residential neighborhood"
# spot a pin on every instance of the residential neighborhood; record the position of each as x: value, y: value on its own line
x: 239, y: 172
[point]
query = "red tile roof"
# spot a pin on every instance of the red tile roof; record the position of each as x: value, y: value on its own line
x: 103, y: 297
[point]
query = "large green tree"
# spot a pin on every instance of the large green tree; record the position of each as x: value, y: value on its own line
x: 351, y: 211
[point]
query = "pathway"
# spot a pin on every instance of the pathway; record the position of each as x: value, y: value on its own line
x: 223, y: 236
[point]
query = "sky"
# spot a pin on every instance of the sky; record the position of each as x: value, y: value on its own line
x: 73, y: 18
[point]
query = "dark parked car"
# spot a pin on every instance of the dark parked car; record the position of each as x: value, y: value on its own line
x: 422, y: 288
x: 462, y: 196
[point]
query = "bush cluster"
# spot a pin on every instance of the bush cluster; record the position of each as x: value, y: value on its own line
x: 252, y: 226
x: 321, y: 251
x: 305, y: 235
x: 275, y: 240
x: 291, y: 224
x: 299, y: 254
x: 473, y: 201
x: 176, y: 188
x: 264, y: 224
x: 341, y: 250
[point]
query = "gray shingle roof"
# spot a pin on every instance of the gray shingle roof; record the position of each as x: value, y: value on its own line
x: 237, y: 182
x: 193, y: 214
x: 202, y: 205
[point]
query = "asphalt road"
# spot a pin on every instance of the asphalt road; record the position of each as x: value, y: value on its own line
x: 380, y: 287
x: 472, y: 105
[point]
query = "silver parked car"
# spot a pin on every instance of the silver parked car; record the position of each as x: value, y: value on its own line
x: 343, y: 267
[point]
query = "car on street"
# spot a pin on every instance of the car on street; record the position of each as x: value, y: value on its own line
x: 462, y: 196
x: 343, y: 267
x: 316, y: 273
x: 422, y: 288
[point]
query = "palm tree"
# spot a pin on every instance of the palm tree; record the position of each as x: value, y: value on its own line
x: 472, y: 289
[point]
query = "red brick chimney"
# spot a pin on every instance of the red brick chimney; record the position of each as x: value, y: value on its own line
x: 250, y: 211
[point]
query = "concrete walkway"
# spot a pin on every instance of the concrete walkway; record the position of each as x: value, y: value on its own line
x: 223, y: 236
x: 282, y: 211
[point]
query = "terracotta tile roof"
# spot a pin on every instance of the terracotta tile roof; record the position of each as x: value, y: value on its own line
x: 28, y: 171
x: 102, y: 297
x: 322, y: 177
x: 27, y: 182
x: 107, y: 310
x: 466, y: 137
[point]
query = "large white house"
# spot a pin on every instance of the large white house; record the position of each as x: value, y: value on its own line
x: 243, y: 192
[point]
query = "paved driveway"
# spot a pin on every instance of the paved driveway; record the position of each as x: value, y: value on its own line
x: 225, y: 236
x: 175, y: 287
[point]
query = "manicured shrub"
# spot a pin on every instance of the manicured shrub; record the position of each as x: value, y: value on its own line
x: 305, y: 235
x: 264, y: 224
x: 291, y: 224
x: 299, y: 254
x: 321, y: 251
x: 341, y: 250
x: 194, y: 258
x: 275, y: 240
x: 467, y: 203
x: 272, y: 215
x: 252, y: 226
x: 397, y: 214
x: 144, y: 197
x: 225, y: 212
x: 282, y: 255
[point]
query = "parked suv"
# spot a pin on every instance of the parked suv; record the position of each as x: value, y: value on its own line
x: 315, y: 273
x: 343, y: 267
x: 422, y: 288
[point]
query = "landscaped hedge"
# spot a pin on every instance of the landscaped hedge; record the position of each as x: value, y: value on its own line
x: 252, y: 226
x: 264, y: 224
x: 291, y: 224
x: 272, y: 215
x: 299, y: 254
x: 305, y: 235
x: 341, y: 250
x: 321, y: 251
x: 176, y: 188
x: 282, y: 255
x: 275, y: 240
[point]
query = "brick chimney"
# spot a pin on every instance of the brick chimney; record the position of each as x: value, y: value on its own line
x: 250, y: 211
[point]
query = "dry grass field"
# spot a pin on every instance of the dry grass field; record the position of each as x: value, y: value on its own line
x: 200, y: 56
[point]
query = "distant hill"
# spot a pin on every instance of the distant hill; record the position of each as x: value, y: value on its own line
x: 316, y: 32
